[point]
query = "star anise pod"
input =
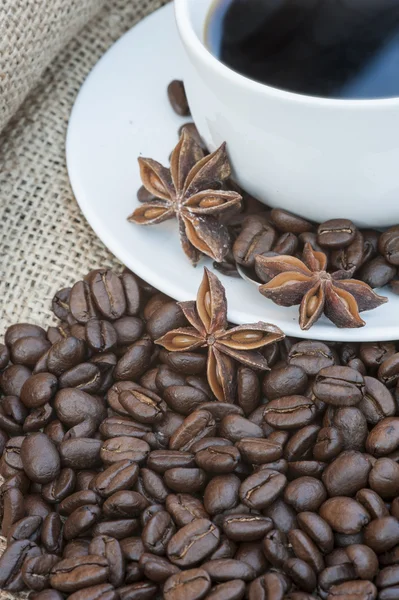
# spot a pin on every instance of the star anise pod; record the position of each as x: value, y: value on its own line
x: 188, y: 191
x: 307, y: 283
x: 209, y: 329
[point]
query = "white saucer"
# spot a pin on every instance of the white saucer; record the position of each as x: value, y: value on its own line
x: 121, y: 112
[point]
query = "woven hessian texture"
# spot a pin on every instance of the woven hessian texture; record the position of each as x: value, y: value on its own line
x: 45, y: 242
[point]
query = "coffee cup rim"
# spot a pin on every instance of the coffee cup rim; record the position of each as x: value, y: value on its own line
x: 190, y: 39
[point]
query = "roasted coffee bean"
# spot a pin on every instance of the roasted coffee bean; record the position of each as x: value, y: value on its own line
x: 52, y: 533
x: 256, y: 237
x: 61, y: 487
x: 81, y: 520
x: 384, y: 478
x: 123, y: 426
x: 85, y: 377
x: 305, y: 549
x: 135, y: 361
x: 388, y: 245
x: 12, y: 509
x: 110, y: 548
x: 117, y: 528
x: 142, y: 405
x: 282, y: 514
x: 81, y: 302
x: 339, y: 386
x: 46, y: 465
x: 290, y: 412
x: 347, y: 474
x: 36, y: 506
x: 184, y: 399
x: 77, y: 500
x: 301, y: 444
x: 252, y: 554
x: 285, y: 380
x: 336, y: 233
x: 305, y: 494
x: 388, y: 372
x: 104, y: 591
x: 167, y: 317
x: 4, y: 356
x: 353, y: 589
x: 184, y: 508
x: 73, y: 574
x: 38, y: 389
x: 184, y: 480
x: 286, y: 244
x: 13, y: 378
x: 344, y: 514
x: 65, y: 354
x: 27, y: 350
x: 382, y: 534
x: 192, y: 584
x: 218, y: 459
x: 118, y: 476
x: 226, y: 569
x: 177, y: 98
x: 350, y: 257
x: 193, y: 542
x: 132, y: 548
x: 377, y: 272
x: 157, y: 568
x: 271, y: 585
x: 352, y: 425
x: 311, y: 356
x: 335, y: 575
x: 36, y: 571
x: 11, y: 563
x: 194, y: 427
x: 248, y: 389
x: 188, y: 363
x: 383, y: 439
x: 377, y: 402
x: 288, y: 222
x: 373, y: 354
x: 84, y: 480
x: 100, y: 335
x: 27, y: 528
x: 166, y: 377
x: 162, y: 460
x: 318, y: 530
x: 259, y: 451
x: 143, y: 590
x: 276, y: 548
x: 124, y: 448
x: 38, y: 418
x: 124, y: 504
x: 80, y: 453
x: 372, y: 503
x: 262, y: 488
x: 60, y: 303
x: 364, y: 561
x: 158, y: 532
x: 221, y: 493
x: 246, y: 527
x: 22, y: 330
x: 13, y: 414
x: 108, y: 295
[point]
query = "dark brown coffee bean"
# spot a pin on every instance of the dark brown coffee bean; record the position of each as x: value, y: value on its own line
x: 301, y: 444
x: 305, y: 494
x: 185, y: 480
x: 284, y: 380
x: 135, y: 361
x: 388, y: 372
x: 117, y: 528
x: 226, y: 569
x: 193, y: 542
x: 184, y: 508
x: 84, y: 480
x: 188, y: 363
x: 262, y: 488
x: 234, y: 428
x: 36, y: 571
x: 81, y: 520
x: 335, y: 575
x: 353, y: 589
x: 158, y: 532
x: 164, y: 430
x: 100, y: 335
x: 382, y: 534
x: 48, y: 594
x: 60, y: 303
x: 80, y: 453
x: 218, y: 459
x: 339, y: 386
x: 184, y: 399
x: 177, y: 98
x: 344, y: 514
x: 35, y: 505
x: 81, y: 303
x: 193, y: 584
x: 372, y: 503
x: 259, y: 451
x: 364, y: 561
x: 103, y: 591
x: 301, y: 573
x: 377, y: 272
x: 336, y: 233
x: 13, y: 378
x: 11, y: 563
x: 85, y: 377
x: 162, y: 460
x: 305, y: 549
x: 143, y: 590
x: 123, y: 426
x: 133, y: 293
x: 318, y: 530
x: 61, y: 487
x: 27, y: 528
x: 124, y: 504
x: 4, y: 356
x: 384, y: 437
x: 388, y: 245
x: 157, y: 568
x: 12, y: 509
x: 352, y: 425
x: 288, y: 222
x: 38, y: 418
x: 22, y: 330
x: 27, y: 350
x: 384, y: 478
x: 246, y: 527
x: 46, y: 465
x: 221, y: 493
x: 110, y: 548
x: 271, y: 585
x: 73, y: 574
x: 124, y: 448
x: 290, y: 412
x: 347, y: 474
x: 252, y: 554
x: 118, y: 476
x: 65, y: 354
x: 108, y: 295
x: 194, y: 427
x: 52, y: 533
x: 248, y: 389
x: 351, y: 257
x: 276, y: 548
x: 257, y: 236
x: 373, y: 354
x: 142, y: 405
x: 167, y: 317
x: 377, y: 402
x: 38, y: 389
x: 13, y: 414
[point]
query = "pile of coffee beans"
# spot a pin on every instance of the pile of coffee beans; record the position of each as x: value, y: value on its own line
x: 124, y: 478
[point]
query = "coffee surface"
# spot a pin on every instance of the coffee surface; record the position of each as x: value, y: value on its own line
x: 326, y: 48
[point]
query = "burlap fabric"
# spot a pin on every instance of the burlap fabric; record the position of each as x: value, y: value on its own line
x: 45, y: 242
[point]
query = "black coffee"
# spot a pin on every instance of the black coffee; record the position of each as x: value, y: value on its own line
x: 330, y: 48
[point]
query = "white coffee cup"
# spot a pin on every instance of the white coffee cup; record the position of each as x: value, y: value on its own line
x: 317, y: 157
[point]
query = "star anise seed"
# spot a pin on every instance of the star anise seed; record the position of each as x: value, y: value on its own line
x: 308, y: 284
x: 188, y: 191
x: 226, y: 346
